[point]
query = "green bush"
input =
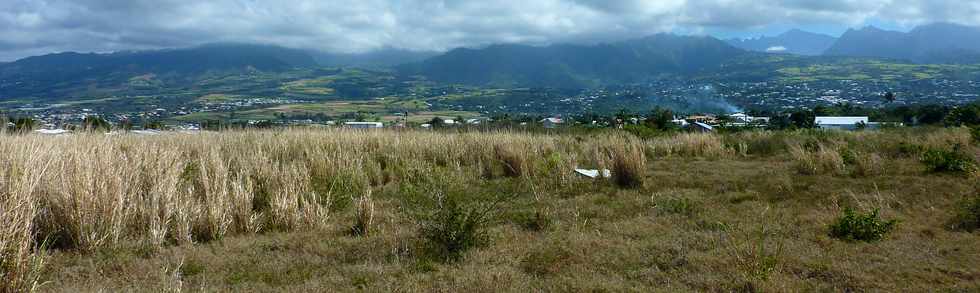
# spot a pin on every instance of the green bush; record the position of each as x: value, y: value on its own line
x: 680, y: 206
x: 868, y: 227
x: 975, y: 134
x: 968, y: 214
x: 536, y: 221
x: 453, y: 228
x: 954, y: 161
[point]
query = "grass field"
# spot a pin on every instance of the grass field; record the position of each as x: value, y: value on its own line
x: 336, y: 210
x: 374, y: 109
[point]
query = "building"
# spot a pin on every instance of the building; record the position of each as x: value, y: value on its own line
x: 742, y: 119
x: 843, y: 122
x: 364, y: 125
x: 52, y: 131
x: 702, y: 127
x: 551, y: 122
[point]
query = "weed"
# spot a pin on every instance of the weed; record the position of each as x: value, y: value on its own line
x: 536, y: 221
x: 629, y: 166
x: 454, y: 228
x: 968, y: 214
x: 546, y: 260
x: 364, y: 215
x: 869, y: 227
x: 680, y: 206
x: 951, y: 161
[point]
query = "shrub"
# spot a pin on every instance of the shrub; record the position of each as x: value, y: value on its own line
x: 910, y: 150
x: 868, y: 164
x: 968, y: 214
x: 868, y: 227
x: 975, y: 134
x: 629, y: 165
x: 680, y: 206
x: 536, y: 221
x: 952, y: 161
x: 364, y: 215
x: 546, y: 260
x: 454, y: 228
x: 514, y: 163
x: 823, y: 160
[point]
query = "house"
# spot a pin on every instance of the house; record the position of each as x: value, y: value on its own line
x: 364, y: 125
x: 551, y: 122
x: 53, y: 131
x: 741, y: 117
x: 702, y: 127
x: 476, y: 121
x: 843, y: 122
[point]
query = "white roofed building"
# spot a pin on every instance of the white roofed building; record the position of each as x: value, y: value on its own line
x: 843, y: 122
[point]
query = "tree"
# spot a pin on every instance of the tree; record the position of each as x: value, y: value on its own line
x: 889, y: 97
x: 803, y: 119
x: 660, y: 118
x: 153, y: 124
x: 95, y: 123
x: 126, y: 125
x: 437, y: 122
x: 968, y: 115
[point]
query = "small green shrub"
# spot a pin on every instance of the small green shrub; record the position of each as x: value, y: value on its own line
x: 679, y: 206
x: 975, y: 134
x: 536, y: 221
x: 968, y: 214
x: 869, y: 227
x: 910, y: 150
x: 454, y: 228
x: 951, y: 161
x: 546, y: 260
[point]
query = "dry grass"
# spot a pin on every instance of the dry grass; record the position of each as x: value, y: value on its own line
x: 822, y: 160
x: 271, y: 211
x: 628, y: 164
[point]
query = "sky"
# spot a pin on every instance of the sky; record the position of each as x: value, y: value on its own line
x: 35, y: 27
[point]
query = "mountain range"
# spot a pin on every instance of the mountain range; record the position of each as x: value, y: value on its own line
x: 573, y: 66
x: 386, y: 57
x: 934, y: 43
x: 793, y: 42
x: 559, y: 65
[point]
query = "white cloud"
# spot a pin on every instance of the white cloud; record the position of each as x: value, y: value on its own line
x: 776, y: 49
x: 38, y: 26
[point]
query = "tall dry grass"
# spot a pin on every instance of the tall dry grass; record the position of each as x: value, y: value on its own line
x: 91, y: 191
x: 20, y: 262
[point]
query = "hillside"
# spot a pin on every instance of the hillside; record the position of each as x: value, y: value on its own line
x: 793, y: 42
x: 77, y: 74
x: 382, y: 58
x: 935, y: 43
x: 576, y: 66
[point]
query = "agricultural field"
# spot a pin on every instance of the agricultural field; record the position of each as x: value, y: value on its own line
x: 423, y: 211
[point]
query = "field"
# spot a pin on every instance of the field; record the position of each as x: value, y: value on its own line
x: 423, y: 211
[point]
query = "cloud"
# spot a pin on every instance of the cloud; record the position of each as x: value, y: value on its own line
x: 776, y: 49
x: 29, y: 27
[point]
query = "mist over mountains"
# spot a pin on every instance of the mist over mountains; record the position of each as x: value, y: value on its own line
x: 793, y: 42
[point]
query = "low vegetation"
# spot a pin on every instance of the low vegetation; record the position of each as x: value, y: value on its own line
x: 338, y: 210
x: 968, y: 214
x: 868, y: 227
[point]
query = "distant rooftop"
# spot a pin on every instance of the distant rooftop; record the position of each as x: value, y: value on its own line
x: 840, y: 120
